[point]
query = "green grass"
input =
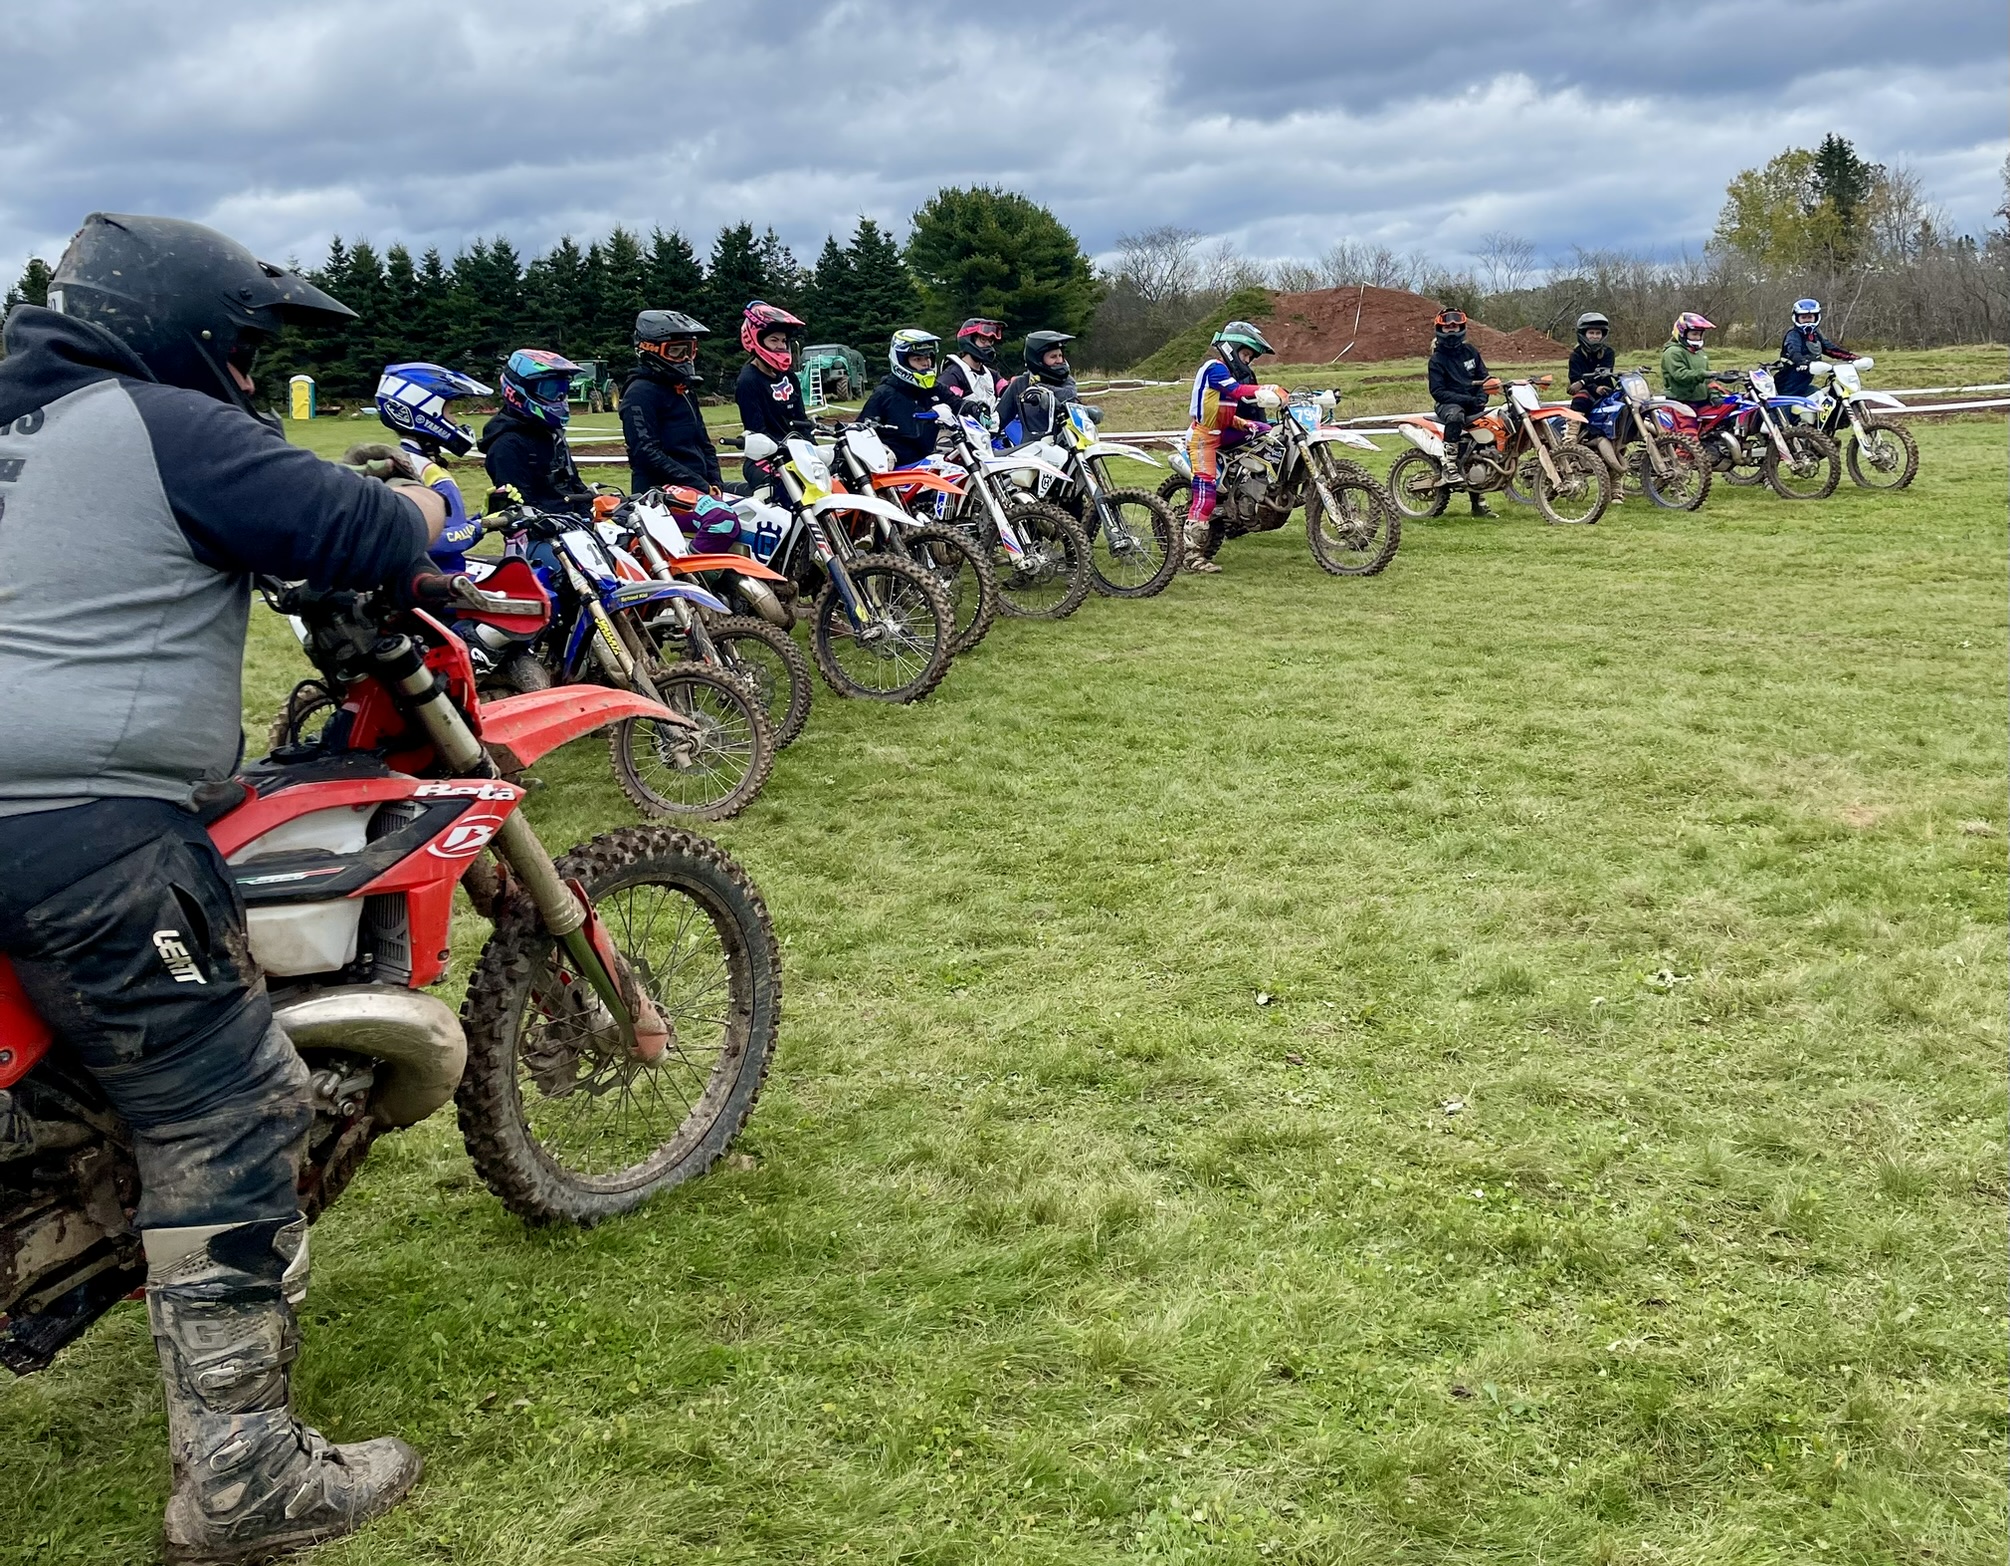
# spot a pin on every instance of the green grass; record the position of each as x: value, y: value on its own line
x: 1502, y: 1062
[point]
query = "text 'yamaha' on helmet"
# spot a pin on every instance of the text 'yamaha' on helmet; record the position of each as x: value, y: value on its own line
x: 189, y: 302
x: 979, y: 337
x: 757, y: 321
x: 1590, y: 321
x: 1690, y: 327
x: 537, y: 383
x: 1808, y: 312
x: 1449, y: 325
x: 1038, y: 346
x: 906, y: 343
x: 1240, y: 343
x: 412, y: 399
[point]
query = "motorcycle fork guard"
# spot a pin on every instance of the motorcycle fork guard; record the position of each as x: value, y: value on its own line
x: 643, y: 1027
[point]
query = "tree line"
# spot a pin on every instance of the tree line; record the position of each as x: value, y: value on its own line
x: 1860, y: 236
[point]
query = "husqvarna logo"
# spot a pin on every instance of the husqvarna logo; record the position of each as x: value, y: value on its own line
x: 176, y: 956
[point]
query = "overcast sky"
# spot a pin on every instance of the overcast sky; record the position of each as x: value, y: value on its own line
x: 1614, y: 123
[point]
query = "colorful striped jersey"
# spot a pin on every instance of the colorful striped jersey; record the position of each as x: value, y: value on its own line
x: 1216, y: 391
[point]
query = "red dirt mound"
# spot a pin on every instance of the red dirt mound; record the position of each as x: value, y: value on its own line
x: 1382, y: 323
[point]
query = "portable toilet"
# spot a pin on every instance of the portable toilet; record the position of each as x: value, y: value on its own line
x: 300, y: 399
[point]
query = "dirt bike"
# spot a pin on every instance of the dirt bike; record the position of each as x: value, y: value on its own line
x: 1634, y: 431
x: 1038, y: 552
x: 1515, y: 447
x: 1349, y: 525
x: 1135, y: 545
x: 756, y: 649
x: 608, y: 606
x: 866, y: 465
x: 1880, y: 453
x: 1755, y: 439
x: 880, y: 628
x: 616, y: 1028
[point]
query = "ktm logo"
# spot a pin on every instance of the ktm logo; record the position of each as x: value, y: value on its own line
x: 465, y: 838
x: 179, y: 963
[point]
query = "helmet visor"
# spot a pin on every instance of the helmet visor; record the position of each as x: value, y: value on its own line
x: 551, y: 388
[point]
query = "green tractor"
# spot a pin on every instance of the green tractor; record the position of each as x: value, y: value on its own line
x: 830, y: 373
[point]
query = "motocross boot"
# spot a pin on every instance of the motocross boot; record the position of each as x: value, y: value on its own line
x: 1479, y: 504
x: 250, y: 1481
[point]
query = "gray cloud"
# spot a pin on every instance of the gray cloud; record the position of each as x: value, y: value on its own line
x: 1610, y: 123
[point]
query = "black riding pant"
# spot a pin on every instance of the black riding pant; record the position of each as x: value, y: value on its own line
x: 1453, y: 416
x: 128, y: 936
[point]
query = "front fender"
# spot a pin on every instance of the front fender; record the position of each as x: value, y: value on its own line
x: 1327, y: 437
x: 640, y: 595
x: 1882, y: 399
x: 520, y: 729
x: 1110, y: 448
x: 870, y: 504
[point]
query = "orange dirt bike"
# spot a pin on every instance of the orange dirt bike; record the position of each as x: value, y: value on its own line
x: 1519, y: 446
x: 616, y: 1028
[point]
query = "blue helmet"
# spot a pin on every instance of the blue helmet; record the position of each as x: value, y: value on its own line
x: 1808, y: 307
x: 536, y: 383
x: 412, y: 399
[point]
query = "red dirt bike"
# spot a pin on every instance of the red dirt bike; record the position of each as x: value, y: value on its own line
x: 616, y: 1029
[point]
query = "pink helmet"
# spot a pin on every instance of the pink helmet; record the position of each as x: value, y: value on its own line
x: 1689, y: 324
x: 760, y: 318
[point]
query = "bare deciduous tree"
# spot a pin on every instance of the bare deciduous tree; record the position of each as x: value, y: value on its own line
x: 1507, y: 262
x: 1162, y: 264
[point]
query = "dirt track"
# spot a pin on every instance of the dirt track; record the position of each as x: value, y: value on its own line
x: 1382, y: 323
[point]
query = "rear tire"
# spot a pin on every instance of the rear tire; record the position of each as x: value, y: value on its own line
x: 1892, y: 462
x: 1154, y: 560
x: 542, y: 1095
x: 1413, y: 486
x: 521, y: 673
x: 711, y: 775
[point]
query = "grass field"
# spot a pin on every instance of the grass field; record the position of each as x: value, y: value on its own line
x: 1502, y: 1062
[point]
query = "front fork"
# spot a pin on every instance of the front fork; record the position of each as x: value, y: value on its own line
x: 561, y: 906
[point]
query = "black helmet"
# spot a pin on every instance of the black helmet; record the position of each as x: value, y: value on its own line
x: 655, y: 333
x: 662, y: 326
x: 1449, y: 326
x: 1038, y: 346
x: 1589, y: 320
x: 185, y: 299
x: 979, y: 337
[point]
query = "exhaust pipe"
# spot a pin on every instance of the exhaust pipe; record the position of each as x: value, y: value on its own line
x: 766, y: 604
x: 418, y: 1040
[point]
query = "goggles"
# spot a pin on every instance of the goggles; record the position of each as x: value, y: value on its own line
x: 677, y: 350
x: 551, y: 388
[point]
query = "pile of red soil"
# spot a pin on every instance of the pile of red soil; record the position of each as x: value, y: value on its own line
x: 1382, y: 323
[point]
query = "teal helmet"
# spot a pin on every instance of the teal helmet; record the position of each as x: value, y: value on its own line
x: 1240, y: 335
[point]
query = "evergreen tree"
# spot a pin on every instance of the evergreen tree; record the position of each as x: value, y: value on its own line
x: 675, y: 281
x: 554, y: 288
x: 830, y: 302
x: 738, y: 275
x: 486, y: 307
x: 883, y: 290
x: 432, y: 324
x: 622, y: 295
x: 786, y: 277
x: 986, y: 251
x: 32, y: 289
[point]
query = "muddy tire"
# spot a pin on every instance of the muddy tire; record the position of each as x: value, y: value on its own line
x: 1413, y: 486
x: 1364, y: 538
x: 1813, y: 467
x: 911, y: 652
x: 1582, y: 489
x: 521, y: 673
x: 772, y: 661
x: 307, y: 708
x: 1687, y: 485
x: 964, y: 570
x: 1887, y: 457
x: 1151, y: 561
x: 1055, y: 585
x: 1176, y: 495
x: 712, y: 775
x: 563, y: 1127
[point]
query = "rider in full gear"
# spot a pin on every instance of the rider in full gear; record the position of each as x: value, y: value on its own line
x: 660, y: 418
x: 769, y: 395
x: 1458, y: 377
x: 908, y: 389
x: 1685, y: 366
x: 412, y: 401
x: 126, y: 420
x: 1030, y: 404
x: 972, y: 371
x: 1221, y: 415
x: 524, y: 444
x: 1802, y: 346
x: 1593, y: 368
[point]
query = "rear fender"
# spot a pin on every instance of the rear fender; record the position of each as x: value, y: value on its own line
x: 521, y: 729
x: 739, y: 565
x: 1111, y: 448
x: 24, y: 1036
x: 1424, y: 434
x: 1011, y: 464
